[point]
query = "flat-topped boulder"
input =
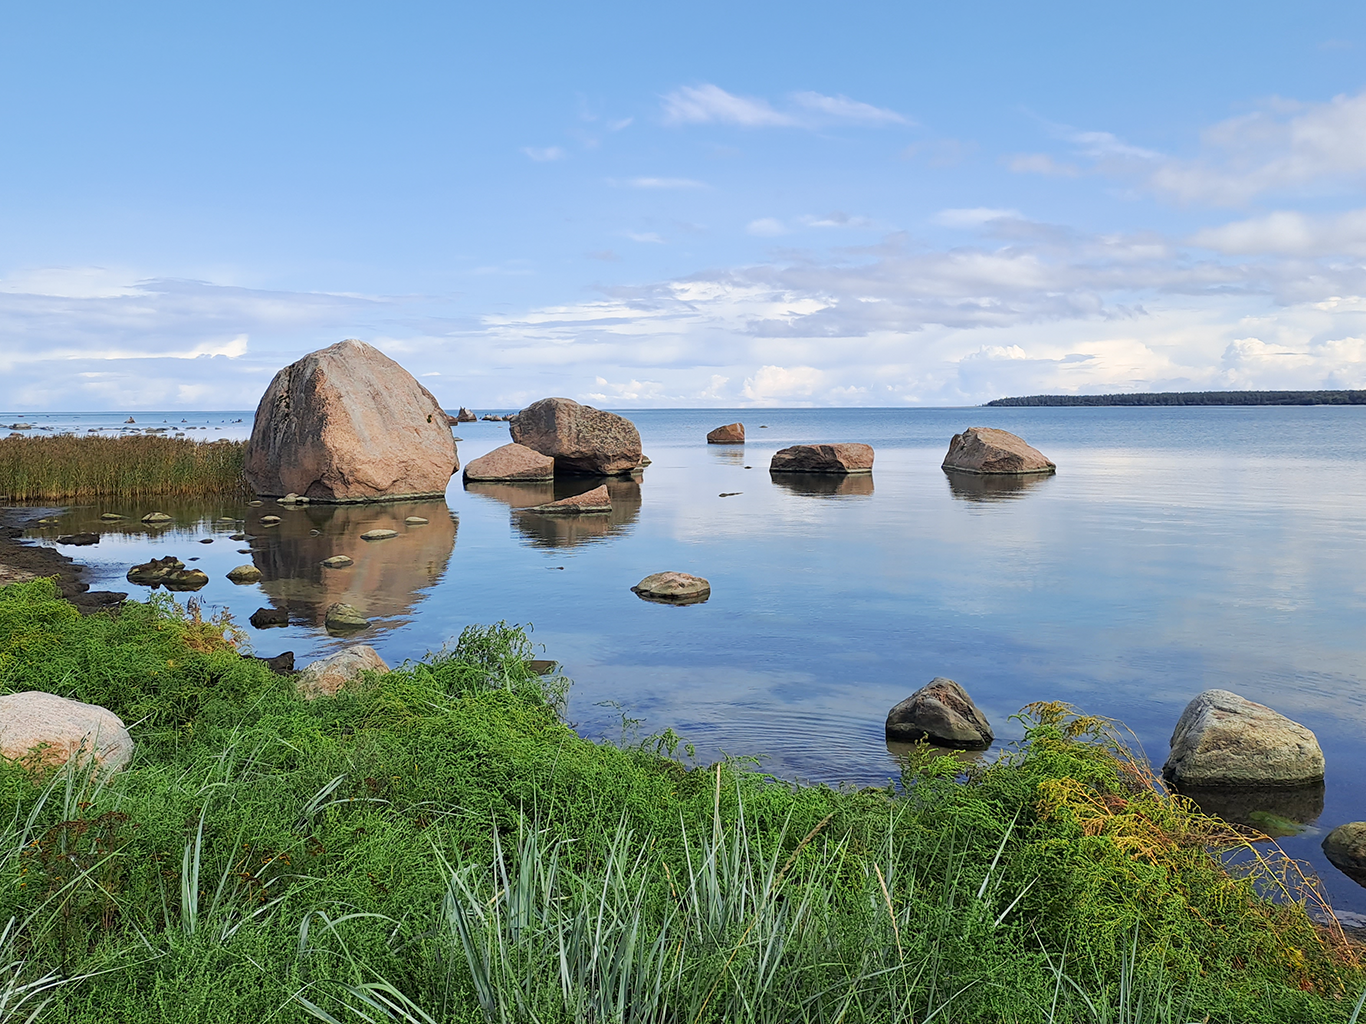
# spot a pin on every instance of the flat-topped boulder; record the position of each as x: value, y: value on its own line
x: 168, y: 572
x: 51, y: 730
x: 942, y: 713
x: 579, y: 438
x: 326, y: 676
x: 673, y: 588
x: 989, y: 451
x: 823, y: 458
x: 595, y: 501
x: 244, y: 574
x: 347, y: 423
x: 1223, y: 739
x: 731, y: 433
x: 511, y: 462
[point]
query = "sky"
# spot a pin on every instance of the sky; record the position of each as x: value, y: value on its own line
x: 711, y: 204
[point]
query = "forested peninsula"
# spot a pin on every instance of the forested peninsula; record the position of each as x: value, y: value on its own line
x: 1194, y: 398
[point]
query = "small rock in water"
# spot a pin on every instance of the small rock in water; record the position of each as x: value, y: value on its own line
x: 731, y: 433
x: 255, y: 503
x: 344, y: 618
x: 673, y: 588
x: 245, y: 574
x: 1345, y: 848
x: 79, y: 538
x: 244, y: 551
x: 595, y: 501
x: 237, y: 536
x: 156, y: 517
x: 265, y: 618
x: 110, y: 515
x: 337, y: 562
x: 315, y: 533
x: 729, y: 494
x: 168, y: 572
x: 378, y: 534
x: 226, y: 519
x: 269, y: 520
x: 415, y: 521
x: 1223, y: 739
x: 942, y: 713
x: 206, y: 540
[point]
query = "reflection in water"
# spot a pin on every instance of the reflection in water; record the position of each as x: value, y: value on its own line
x: 387, y: 575
x: 825, y: 483
x: 566, y: 531
x: 1273, y: 811
x: 730, y: 455
x: 907, y: 754
x: 992, y: 487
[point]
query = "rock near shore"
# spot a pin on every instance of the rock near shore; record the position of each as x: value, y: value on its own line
x: 579, y: 438
x: 989, y: 451
x: 1223, y: 739
x: 326, y: 676
x: 347, y: 423
x: 942, y: 713
x: 823, y: 458
x: 511, y: 462
x: 52, y: 730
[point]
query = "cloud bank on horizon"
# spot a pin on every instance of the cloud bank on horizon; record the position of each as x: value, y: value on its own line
x: 701, y: 244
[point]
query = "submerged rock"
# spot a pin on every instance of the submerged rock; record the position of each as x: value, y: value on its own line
x: 987, y: 450
x: 595, y: 501
x: 324, y: 677
x: 347, y: 423
x: 51, y: 730
x: 511, y: 462
x: 245, y: 574
x: 79, y: 539
x: 673, y: 588
x: 168, y: 572
x: 156, y: 517
x: 344, y: 618
x: 1223, y: 739
x: 823, y: 458
x: 942, y: 713
x: 265, y: 618
x: 337, y: 562
x: 415, y: 521
x: 579, y: 438
x: 731, y: 433
x: 378, y: 534
x: 110, y: 515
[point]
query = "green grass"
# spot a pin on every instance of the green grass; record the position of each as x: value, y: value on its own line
x: 54, y: 468
x: 439, y: 846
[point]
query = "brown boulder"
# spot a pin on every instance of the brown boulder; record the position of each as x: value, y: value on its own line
x: 731, y: 433
x: 511, y: 462
x: 54, y: 729
x: 673, y: 588
x: 465, y: 416
x: 942, y: 713
x: 579, y: 438
x: 823, y: 458
x: 324, y: 677
x: 596, y: 500
x: 987, y: 450
x: 347, y: 423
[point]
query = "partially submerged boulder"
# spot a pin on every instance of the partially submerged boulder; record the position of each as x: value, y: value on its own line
x: 347, y: 423
x: 589, y: 502
x: 731, y: 433
x: 823, y: 458
x: 465, y: 416
x: 511, y: 462
x: 324, y: 677
x: 673, y: 588
x: 942, y: 713
x: 1223, y: 739
x: 1345, y: 848
x: 244, y: 574
x: 989, y: 451
x: 579, y: 438
x: 168, y: 572
x: 344, y: 618
x: 51, y: 730
x: 265, y: 618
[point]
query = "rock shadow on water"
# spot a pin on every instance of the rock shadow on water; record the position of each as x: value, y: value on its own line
x: 907, y: 755
x: 825, y: 484
x: 551, y: 531
x: 988, y: 487
x: 1273, y: 812
x: 385, y: 579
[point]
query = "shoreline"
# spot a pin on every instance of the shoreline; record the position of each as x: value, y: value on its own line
x: 21, y: 561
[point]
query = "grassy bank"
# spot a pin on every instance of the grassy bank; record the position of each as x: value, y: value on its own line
x: 76, y: 468
x: 441, y: 847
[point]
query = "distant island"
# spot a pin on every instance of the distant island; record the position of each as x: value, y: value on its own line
x: 1194, y: 398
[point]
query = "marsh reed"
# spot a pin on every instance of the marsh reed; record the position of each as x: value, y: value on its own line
x: 67, y: 467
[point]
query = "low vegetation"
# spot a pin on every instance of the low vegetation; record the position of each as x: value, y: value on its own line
x: 439, y: 846
x: 144, y: 466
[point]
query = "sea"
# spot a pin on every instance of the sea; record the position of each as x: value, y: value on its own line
x: 1175, y: 550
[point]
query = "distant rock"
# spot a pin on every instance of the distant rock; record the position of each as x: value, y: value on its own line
x: 465, y: 416
x: 1345, y: 847
x: 265, y: 618
x: 52, y: 730
x: 942, y: 713
x: 673, y: 588
x: 130, y: 420
x: 511, y: 462
x: 594, y: 501
x: 245, y: 574
x: 987, y: 450
x: 1223, y: 739
x: 156, y: 517
x: 21, y: 426
x: 343, y: 618
x: 324, y: 677
x: 110, y: 516
x: 378, y: 534
x: 347, y: 423
x: 823, y: 458
x: 168, y: 572
x: 731, y: 433
x: 579, y: 438
x: 79, y: 539
x: 337, y: 562
x: 292, y: 499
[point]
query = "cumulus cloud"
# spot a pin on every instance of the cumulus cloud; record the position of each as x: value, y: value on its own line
x: 1288, y: 232
x: 710, y: 104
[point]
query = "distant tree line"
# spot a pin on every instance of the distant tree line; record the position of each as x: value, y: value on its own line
x: 1195, y: 398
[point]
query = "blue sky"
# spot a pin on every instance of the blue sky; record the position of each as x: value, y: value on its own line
x: 688, y: 205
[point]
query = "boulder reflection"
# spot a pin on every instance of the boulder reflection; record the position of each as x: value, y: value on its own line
x: 840, y: 484
x: 387, y: 577
x: 566, y: 531
x: 1275, y: 812
x: 984, y: 487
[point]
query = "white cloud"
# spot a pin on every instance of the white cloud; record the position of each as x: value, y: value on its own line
x: 1288, y: 232
x: 842, y: 108
x: 771, y: 385
x: 975, y: 217
x: 544, y: 154
x: 1041, y: 163
x: 655, y: 183
x: 649, y: 237
x: 766, y: 227
x: 705, y: 104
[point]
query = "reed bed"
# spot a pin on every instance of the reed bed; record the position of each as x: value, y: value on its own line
x: 67, y: 467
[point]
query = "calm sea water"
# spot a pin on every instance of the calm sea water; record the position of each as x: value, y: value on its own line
x: 1175, y: 550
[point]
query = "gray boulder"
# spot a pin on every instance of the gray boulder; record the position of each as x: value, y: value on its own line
x: 1345, y: 847
x: 1223, y: 739
x: 579, y: 438
x: 942, y: 713
x: 51, y: 730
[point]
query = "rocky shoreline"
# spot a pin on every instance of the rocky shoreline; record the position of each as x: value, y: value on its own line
x: 20, y: 562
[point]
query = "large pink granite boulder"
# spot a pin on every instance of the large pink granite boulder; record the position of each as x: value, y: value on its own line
x: 579, y: 438
x: 347, y: 423
x: 327, y: 676
x: 823, y: 458
x: 511, y: 462
x: 990, y: 451
x: 51, y: 730
x: 731, y: 433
